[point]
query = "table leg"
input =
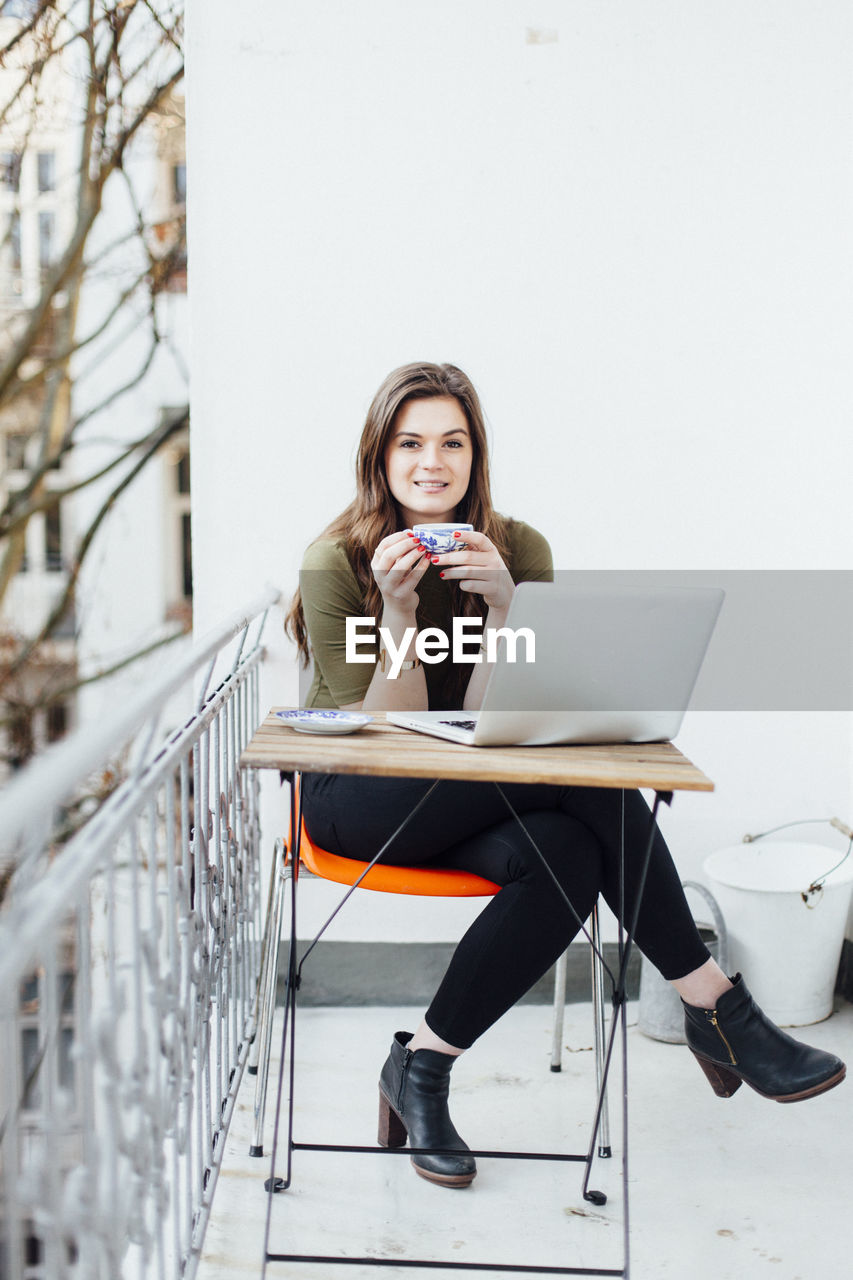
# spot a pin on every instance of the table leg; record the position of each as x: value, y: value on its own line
x: 618, y: 992
x: 294, y: 979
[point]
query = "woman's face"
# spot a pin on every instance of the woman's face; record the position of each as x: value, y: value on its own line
x: 428, y: 459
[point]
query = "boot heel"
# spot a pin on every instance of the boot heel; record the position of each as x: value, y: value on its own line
x: 392, y: 1131
x: 723, y: 1082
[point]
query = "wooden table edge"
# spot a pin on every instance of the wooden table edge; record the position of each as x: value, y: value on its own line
x: 630, y: 765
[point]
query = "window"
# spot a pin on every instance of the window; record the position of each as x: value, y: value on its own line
x: 46, y: 230
x: 53, y: 540
x: 57, y: 721
x: 66, y: 628
x: 187, y: 556
x: 178, y: 533
x: 10, y: 170
x: 16, y: 450
x: 179, y: 183
x: 15, y: 239
x: 46, y: 171
x: 38, y: 1057
x: 182, y: 476
x: 20, y: 742
x: 182, y: 485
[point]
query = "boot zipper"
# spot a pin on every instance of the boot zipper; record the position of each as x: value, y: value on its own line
x: 401, y: 1092
x: 711, y: 1015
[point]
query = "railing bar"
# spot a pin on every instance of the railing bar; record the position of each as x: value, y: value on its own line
x: 239, y: 653
x: 228, y: 906
x: 140, y: 1063
x: 261, y: 625
x: 253, y: 880
x: 229, y: 871
x: 204, y: 1213
x: 220, y: 921
x: 142, y: 753
x: 188, y: 955
x: 208, y: 944
x: 205, y: 682
x: 84, y: 1066
x: 71, y: 869
x: 146, y: 1073
x: 49, y: 1037
x: 11, y: 1077
x: 110, y: 1181
x: 158, y: 1084
x: 172, y: 945
x: 49, y: 780
x: 136, y: 928
x: 240, y: 780
x: 232, y: 864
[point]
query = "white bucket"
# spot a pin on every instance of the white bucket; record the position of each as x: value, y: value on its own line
x: 785, y: 939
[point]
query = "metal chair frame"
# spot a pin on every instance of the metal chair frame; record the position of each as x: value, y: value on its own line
x: 286, y: 871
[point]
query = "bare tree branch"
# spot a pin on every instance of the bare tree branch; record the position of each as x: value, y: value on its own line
x: 25, y: 29
x: 70, y: 260
x: 51, y: 696
x: 130, y: 57
x: 61, y: 606
x: 11, y: 521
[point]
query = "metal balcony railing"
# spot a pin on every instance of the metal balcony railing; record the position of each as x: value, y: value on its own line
x: 129, y: 960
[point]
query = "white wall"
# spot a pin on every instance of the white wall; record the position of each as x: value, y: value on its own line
x: 629, y: 223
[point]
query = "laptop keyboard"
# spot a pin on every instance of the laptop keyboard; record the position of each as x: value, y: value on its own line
x: 470, y: 725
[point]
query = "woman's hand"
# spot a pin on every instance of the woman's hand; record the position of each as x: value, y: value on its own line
x: 478, y: 568
x: 399, y: 562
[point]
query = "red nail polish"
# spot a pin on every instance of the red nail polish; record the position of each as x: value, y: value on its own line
x: 457, y: 534
x: 441, y: 575
x: 434, y: 559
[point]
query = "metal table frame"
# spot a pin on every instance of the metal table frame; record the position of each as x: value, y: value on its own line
x: 287, y: 872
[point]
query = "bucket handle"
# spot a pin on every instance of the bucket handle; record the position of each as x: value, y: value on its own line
x: 719, y: 922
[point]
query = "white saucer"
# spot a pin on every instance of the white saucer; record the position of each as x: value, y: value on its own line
x: 318, y: 721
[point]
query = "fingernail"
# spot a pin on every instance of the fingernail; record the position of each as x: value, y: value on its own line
x: 409, y: 533
x: 457, y: 534
x: 441, y: 575
x: 434, y: 559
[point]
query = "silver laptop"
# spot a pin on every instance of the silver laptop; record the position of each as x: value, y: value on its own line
x: 609, y: 665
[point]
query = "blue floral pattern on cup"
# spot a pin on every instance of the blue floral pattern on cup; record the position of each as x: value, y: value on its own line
x: 438, y: 538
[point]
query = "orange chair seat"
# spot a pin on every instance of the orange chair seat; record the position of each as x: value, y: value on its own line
x: 425, y: 882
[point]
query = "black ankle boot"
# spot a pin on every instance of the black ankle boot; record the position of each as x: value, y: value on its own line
x: 736, y: 1042
x: 413, y: 1089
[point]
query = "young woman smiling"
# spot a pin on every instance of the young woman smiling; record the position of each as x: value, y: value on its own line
x: 423, y: 459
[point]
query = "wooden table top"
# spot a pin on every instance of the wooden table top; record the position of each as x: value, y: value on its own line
x: 381, y: 749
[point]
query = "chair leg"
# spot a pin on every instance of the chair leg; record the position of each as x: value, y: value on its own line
x: 269, y: 982
x: 604, y: 1149
x: 560, y: 973
x: 598, y: 1021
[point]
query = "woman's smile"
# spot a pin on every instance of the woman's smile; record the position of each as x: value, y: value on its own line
x: 428, y: 459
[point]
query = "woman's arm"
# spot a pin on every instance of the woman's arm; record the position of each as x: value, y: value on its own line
x: 479, y: 568
x: 331, y: 594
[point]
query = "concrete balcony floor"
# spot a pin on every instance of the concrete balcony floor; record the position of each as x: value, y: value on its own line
x: 719, y: 1189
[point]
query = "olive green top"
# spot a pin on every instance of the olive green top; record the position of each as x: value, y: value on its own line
x: 331, y: 593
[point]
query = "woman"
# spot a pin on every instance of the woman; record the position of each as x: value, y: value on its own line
x: 423, y: 460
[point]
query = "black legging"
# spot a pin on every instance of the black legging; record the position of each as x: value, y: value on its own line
x: 526, y: 926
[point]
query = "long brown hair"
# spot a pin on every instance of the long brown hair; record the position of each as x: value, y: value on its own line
x: 373, y: 513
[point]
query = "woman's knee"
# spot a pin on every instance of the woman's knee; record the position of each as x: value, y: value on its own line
x: 570, y: 853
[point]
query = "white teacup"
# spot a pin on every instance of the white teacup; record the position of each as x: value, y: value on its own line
x: 439, y: 538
